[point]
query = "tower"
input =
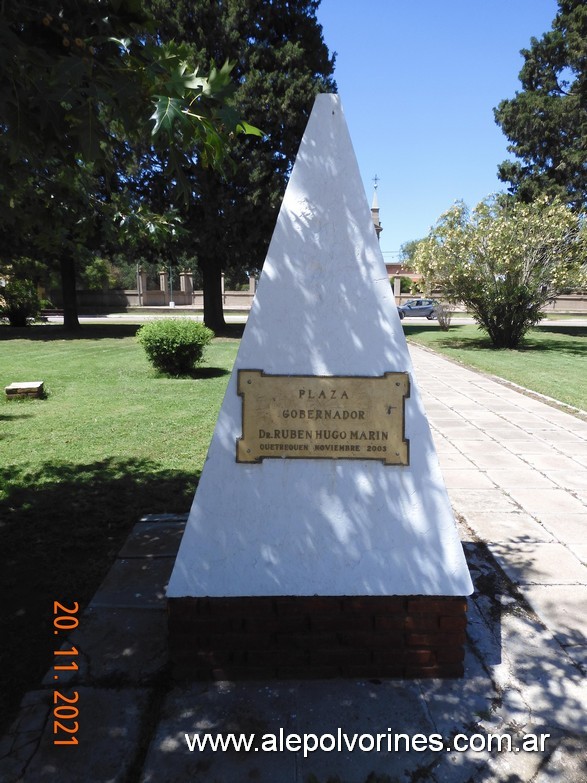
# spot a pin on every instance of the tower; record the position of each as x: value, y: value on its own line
x: 375, y: 208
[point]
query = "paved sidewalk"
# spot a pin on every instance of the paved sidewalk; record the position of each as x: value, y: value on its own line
x: 516, y: 470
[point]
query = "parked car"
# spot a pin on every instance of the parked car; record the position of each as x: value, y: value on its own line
x: 424, y: 308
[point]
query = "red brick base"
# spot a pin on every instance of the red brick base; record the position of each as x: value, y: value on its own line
x: 308, y: 637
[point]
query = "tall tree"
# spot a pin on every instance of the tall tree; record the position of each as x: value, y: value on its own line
x: 407, y: 253
x: 546, y: 122
x: 79, y: 83
x: 282, y: 62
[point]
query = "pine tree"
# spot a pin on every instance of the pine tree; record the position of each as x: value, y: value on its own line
x: 80, y: 82
x: 282, y: 62
x: 546, y: 122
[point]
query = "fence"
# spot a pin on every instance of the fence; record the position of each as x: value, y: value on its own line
x: 186, y: 296
x: 164, y: 296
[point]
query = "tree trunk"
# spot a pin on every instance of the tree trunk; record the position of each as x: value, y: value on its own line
x: 67, y: 269
x: 212, y: 290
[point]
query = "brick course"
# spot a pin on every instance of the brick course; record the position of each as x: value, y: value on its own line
x: 309, y: 637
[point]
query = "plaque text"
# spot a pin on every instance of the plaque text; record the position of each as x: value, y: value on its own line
x: 323, y: 417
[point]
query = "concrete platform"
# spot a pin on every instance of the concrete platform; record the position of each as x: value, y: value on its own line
x: 24, y: 390
x: 526, y: 655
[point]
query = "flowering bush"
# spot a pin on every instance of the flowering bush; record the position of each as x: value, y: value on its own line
x: 504, y: 261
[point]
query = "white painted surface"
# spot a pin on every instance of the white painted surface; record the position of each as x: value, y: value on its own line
x: 324, y: 306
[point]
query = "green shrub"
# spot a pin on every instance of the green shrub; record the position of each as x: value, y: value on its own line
x: 406, y: 285
x: 444, y: 315
x: 174, y: 346
x: 19, y: 302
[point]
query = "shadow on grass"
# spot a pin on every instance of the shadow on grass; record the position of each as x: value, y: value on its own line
x: 457, y: 337
x: 197, y: 374
x: 61, y: 528
x: 209, y: 372
x: 231, y: 331
x: 541, y: 338
x: 52, y: 332
x: 56, y: 332
x: 10, y: 417
x: 572, y: 331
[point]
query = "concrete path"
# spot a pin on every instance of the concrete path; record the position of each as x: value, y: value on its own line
x: 516, y: 470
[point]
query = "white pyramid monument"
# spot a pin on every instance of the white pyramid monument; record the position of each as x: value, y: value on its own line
x: 298, y: 524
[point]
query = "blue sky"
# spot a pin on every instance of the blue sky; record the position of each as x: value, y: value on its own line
x: 418, y: 80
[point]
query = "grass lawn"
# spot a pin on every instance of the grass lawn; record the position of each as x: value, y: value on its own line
x: 551, y: 360
x: 112, y: 441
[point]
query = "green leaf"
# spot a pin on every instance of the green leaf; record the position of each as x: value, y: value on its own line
x: 194, y: 82
x: 219, y: 81
x: 249, y: 130
x: 175, y: 84
x: 167, y: 112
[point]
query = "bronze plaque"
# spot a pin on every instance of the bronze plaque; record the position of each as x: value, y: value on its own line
x: 323, y: 417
